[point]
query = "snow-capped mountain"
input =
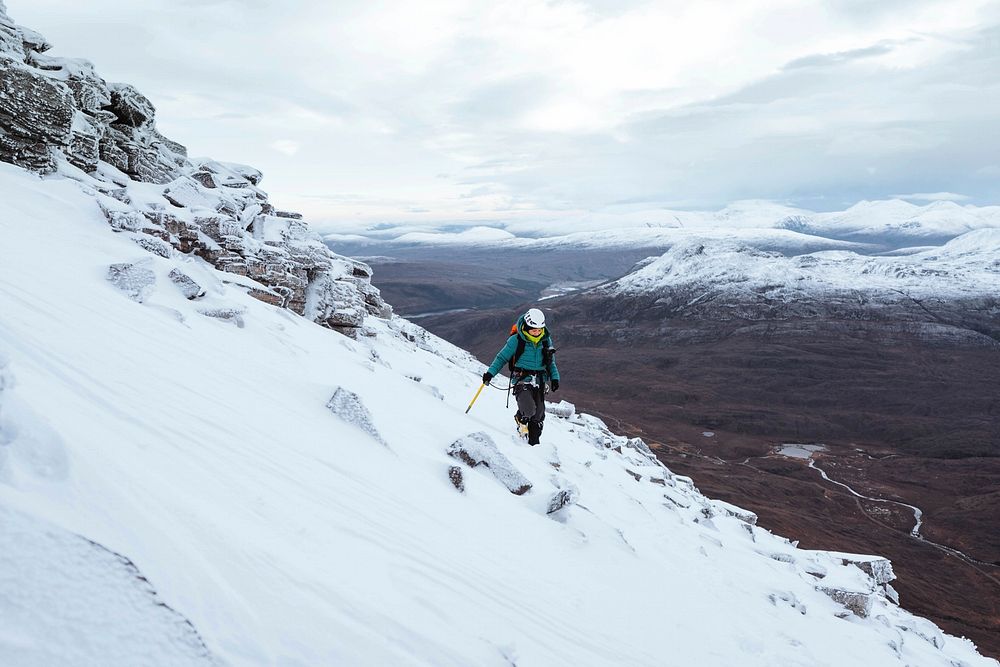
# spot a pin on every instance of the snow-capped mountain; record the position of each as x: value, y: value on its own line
x: 965, y: 267
x: 218, y: 446
x: 867, y: 227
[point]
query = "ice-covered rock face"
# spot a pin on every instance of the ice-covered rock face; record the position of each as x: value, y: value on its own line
x: 59, y: 115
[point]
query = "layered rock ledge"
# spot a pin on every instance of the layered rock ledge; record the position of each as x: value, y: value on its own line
x: 59, y: 116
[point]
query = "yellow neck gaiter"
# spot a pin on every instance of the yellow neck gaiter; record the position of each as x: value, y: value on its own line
x: 533, y: 339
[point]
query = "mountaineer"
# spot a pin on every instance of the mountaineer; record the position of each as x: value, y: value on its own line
x: 530, y: 358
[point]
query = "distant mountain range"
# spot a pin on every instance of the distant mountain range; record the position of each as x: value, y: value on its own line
x: 869, y: 227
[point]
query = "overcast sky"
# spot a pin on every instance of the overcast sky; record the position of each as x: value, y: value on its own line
x: 439, y: 110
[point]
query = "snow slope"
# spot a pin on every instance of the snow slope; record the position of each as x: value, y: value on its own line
x: 201, y: 450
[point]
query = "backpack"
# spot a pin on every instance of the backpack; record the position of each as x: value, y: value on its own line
x: 547, y: 351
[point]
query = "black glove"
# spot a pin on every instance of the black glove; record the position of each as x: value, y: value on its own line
x: 487, y: 376
x: 555, y: 384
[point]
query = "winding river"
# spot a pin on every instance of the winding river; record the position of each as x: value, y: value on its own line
x: 918, y: 516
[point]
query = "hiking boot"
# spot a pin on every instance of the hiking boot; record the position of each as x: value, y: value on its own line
x: 522, y: 428
x: 534, y: 429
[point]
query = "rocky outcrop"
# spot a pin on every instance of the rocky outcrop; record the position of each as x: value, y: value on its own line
x: 59, y: 115
x: 478, y: 449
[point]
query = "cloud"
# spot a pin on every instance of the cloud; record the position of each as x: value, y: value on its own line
x: 286, y: 146
x: 466, y: 109
x: 828, y: 59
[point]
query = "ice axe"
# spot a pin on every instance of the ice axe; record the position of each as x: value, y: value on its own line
x: 481, y: 387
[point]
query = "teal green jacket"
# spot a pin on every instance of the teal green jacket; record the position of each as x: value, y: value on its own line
x: 531, y: 359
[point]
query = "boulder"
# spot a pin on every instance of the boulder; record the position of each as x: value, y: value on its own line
x: 135, y: 280
x: 206, y: 179
x: 858, y: 602
x: 154, y: 245
x: 478, y: 449
x: 454, y: 473
x: 876, y: 567
x: 561, y: 499
x: 562, y: 409
x: 188, y: 287
x: 348, y: 406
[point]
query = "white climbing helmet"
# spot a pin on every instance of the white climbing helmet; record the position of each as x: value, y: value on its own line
x: 534, y: 319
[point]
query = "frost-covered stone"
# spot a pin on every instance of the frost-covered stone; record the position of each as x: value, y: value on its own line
x: 858, y: 602
x: 746, y: 516
x: 348, y: 406
x: 639, y: 445
x: 124, y: 221
x: 876, y: 567
x: 477, y: 449
x: 188, y: 287
x: 337, y: 304
x: 454, y: 474
x: 232, y: 314
x: 561, y: 499
x: 154, y: 245
x: 563, y: 409
x: 135, y: 280
x: 206, y: 179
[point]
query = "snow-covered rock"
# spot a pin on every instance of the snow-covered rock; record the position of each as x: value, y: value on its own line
x: 135, y: 280
x: 348, y: 406
x: 188, y: 287
x: 477, y: 449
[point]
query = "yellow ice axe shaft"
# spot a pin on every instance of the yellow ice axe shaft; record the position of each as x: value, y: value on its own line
x: 481, y: 387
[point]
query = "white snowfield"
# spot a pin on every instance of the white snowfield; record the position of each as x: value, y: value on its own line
x: 174, y: 489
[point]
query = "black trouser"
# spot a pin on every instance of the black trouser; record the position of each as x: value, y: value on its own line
x: 531, y: 409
